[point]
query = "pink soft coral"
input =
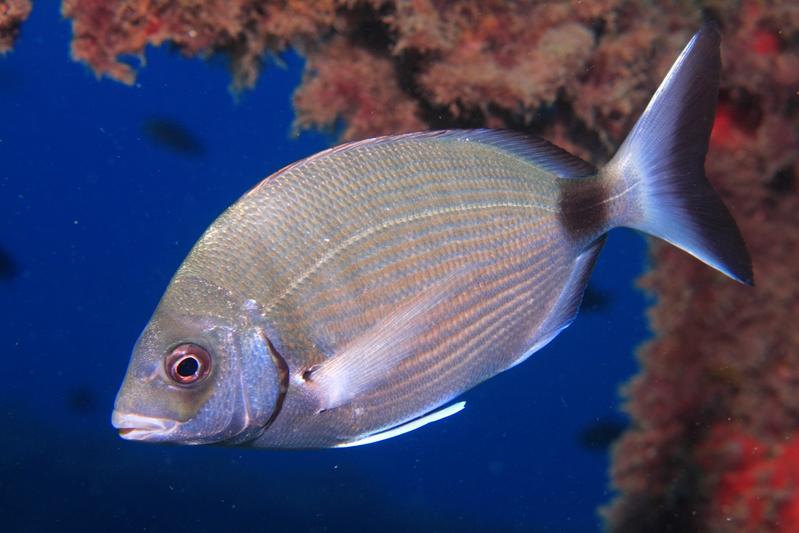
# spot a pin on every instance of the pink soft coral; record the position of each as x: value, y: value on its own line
x: 12, y: 14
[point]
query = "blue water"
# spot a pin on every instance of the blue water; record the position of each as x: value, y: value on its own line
x: 98, y: 217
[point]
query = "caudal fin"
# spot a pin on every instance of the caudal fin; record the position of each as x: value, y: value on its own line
x: 659, y: 169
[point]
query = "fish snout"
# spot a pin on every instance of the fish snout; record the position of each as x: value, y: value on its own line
x: 137, y: 427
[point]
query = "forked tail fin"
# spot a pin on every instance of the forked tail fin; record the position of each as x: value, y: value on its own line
x: 659, y: 169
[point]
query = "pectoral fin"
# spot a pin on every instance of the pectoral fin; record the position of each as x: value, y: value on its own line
x: 365, y: 361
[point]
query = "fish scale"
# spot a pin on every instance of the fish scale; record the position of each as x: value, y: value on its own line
x: 301, y: 221
x: 426, y: 214
x: 399, y: 261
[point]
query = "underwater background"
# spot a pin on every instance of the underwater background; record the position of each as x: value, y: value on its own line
x: 105, y: 186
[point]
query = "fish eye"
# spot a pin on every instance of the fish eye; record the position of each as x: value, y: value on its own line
x: 187, y: 364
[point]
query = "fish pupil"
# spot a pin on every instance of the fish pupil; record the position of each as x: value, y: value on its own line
x: 188, y: 367
x: 187, y: 364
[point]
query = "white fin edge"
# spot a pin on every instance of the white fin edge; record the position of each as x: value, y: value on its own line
x: 435, y: 416
x: 538, y: 345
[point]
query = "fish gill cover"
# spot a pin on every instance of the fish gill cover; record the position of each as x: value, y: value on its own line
x: 715, y: 410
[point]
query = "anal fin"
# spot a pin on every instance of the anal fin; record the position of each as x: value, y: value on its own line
x: 406, y: 427
x: 568, y: 304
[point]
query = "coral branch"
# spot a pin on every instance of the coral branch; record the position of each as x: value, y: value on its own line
x: 354, y: 85
x: 105, y: 30
x: 12, y: 14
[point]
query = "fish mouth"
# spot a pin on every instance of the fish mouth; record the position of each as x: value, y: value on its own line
x: 147, y: 428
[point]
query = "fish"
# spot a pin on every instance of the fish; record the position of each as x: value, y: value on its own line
x: 352, y: 296
x: 9, y: 268
x: 595, y: 299
x: 81, y: 399
x: 599, y: 435
x: 172, y: 135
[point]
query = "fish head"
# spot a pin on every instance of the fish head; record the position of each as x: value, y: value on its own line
x: 201, y: 372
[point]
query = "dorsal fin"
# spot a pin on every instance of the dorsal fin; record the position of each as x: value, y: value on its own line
x: 535, y: 150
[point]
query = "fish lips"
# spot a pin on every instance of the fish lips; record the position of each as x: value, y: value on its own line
x: 144, y: 428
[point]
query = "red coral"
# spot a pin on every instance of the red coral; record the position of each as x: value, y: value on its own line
x: 766, y: 42
x: 104, y: 30
x: 758, y: 489
x: 12, y: 14
x: 354, y: 85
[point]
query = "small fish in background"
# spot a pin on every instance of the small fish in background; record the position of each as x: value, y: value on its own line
x: 9, y: 268
x: 171, y: 134
x: 350, y: 296
x: 595, y: 299
x: 81, y: 399
x: 11, y: 79
x: 599, y: 435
